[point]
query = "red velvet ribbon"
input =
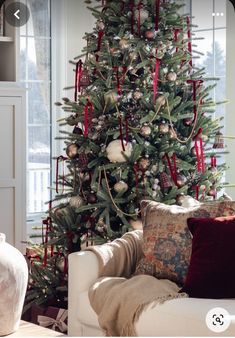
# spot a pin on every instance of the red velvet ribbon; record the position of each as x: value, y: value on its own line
x: 194, y: 84
x: 121, y: 132
x: 78, y: 76
x: 139, y: 7
x: 196, y: 188
x: 189, y: 41
x: 176, y: 32
x: 127, y: 129
x: 100, y: 37
x: 155, y: 80
x: 52, y: 246
x: 46, y: 222
x: 120, y: 79
x: 172, y: 166
x: 198, y: 144
x: 157, y: 14
x: 87, y: 117
x: 213, y: 162
x: 58, y: 160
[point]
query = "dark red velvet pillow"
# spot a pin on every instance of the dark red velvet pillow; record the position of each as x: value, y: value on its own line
x: 211, y: 272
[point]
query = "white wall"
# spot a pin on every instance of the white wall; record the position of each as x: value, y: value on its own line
x: 230, y: 108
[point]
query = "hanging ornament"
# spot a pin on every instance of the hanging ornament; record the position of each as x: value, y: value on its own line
x: 137, y: 94
x: 144, y: 163
x: 195, y: 84
x: 88, y: 110
x: 72, y: 150
x: 164, y: 128
x: 115, y: 151
x: 213, y: 167
x: 111, y: 97
x: 76, y: 202
x: 85, y: 78
x: 171, y: 76
x: 141, y: 15
x: 78, y: 74
x: 219, y: 141
x: 161, y: 101
x: 149, y: 34
x: 198, y: 145
x: 165, y: 182
x: 145, y: 131
x: 181, y: 180
x: 100, y: 25
x: 121, y: 186
x: 124, y: 43
x: 92, y: 198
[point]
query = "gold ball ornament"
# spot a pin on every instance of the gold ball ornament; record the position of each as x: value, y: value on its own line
x: 171, y: 76
x: 76, y: 201
x: 111, y: 97
x: 144, y: 163
x: 137, y: 94
x: 145, y: 131
x: 72, y: 150
x: 115, y: 151
x: 124, y: 43
x: 161, y: 100
x: 121, y: 186
x: 164, y: 128
x: 142, y: 15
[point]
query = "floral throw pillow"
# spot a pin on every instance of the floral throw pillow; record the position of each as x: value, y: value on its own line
x: 167, y: 241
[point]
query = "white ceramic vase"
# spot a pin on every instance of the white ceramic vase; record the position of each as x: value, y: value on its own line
x: 13, y: 284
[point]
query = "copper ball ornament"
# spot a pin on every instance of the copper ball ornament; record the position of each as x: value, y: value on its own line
x: 72, y: 150
x: 149, y: 34
x: 145, y: 131
x: 121, y: 186
x: 181, y: 180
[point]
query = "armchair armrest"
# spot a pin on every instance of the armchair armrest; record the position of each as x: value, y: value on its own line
x: 83, y: 272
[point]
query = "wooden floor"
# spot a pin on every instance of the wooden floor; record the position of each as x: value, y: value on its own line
x: 27, y: 329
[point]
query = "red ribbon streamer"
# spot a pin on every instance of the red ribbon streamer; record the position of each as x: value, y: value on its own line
x: 189, y: 42
x: 58, y: 160
x: 132, y: 7
x: 176, y: 32
x: 100, y: 36
x: 121, y: 132
x: 120, y: 79
x: 157, y: 14
x: 194, y: 84
x: 78, y: 76
x: 196, y: 188
x: 140, y: 6
x: 155, y: 81
x: 198, y: 144
x: 127, y: 130
x: 172, y: 166
x: 87, y: 117
x: 46, y: 222
x: 213, y: 162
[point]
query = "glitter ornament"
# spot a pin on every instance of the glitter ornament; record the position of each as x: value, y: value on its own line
x: 76, y: 201
x: 145, y: 131
x: 149, y: 34
x: 171, y: 76
x: 121, y: 186
x: 115, y: 151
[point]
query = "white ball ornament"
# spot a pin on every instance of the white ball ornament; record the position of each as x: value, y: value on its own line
x: 121, y: 186
x: 115, y: 151
x: 76, y: 202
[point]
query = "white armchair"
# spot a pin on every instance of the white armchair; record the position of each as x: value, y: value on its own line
x: 177, y: 317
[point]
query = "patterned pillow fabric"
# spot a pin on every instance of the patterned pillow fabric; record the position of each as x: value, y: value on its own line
x: 167, y: 241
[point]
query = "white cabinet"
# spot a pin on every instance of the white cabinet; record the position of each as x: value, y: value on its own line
x: 12, y: 165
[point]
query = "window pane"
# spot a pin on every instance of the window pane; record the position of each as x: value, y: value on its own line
x: 220, y: 8
x: 205, y: 46
x: 202, y: 13
x: 38, y: 59
x: 38, y: 103
x: 23, y: 59
x: 220, y: 52
x: 39, y: 144
x: 39, y: 18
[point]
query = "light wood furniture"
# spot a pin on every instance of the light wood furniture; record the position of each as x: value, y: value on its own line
x: 13, y: 164
x: 27, y: 329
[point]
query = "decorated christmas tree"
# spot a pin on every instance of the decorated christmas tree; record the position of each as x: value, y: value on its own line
x: 141, y: 127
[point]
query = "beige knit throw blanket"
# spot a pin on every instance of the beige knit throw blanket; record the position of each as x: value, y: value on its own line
x: 119, y: 301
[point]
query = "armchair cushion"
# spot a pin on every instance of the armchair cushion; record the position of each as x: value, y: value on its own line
x: 167, y: 240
